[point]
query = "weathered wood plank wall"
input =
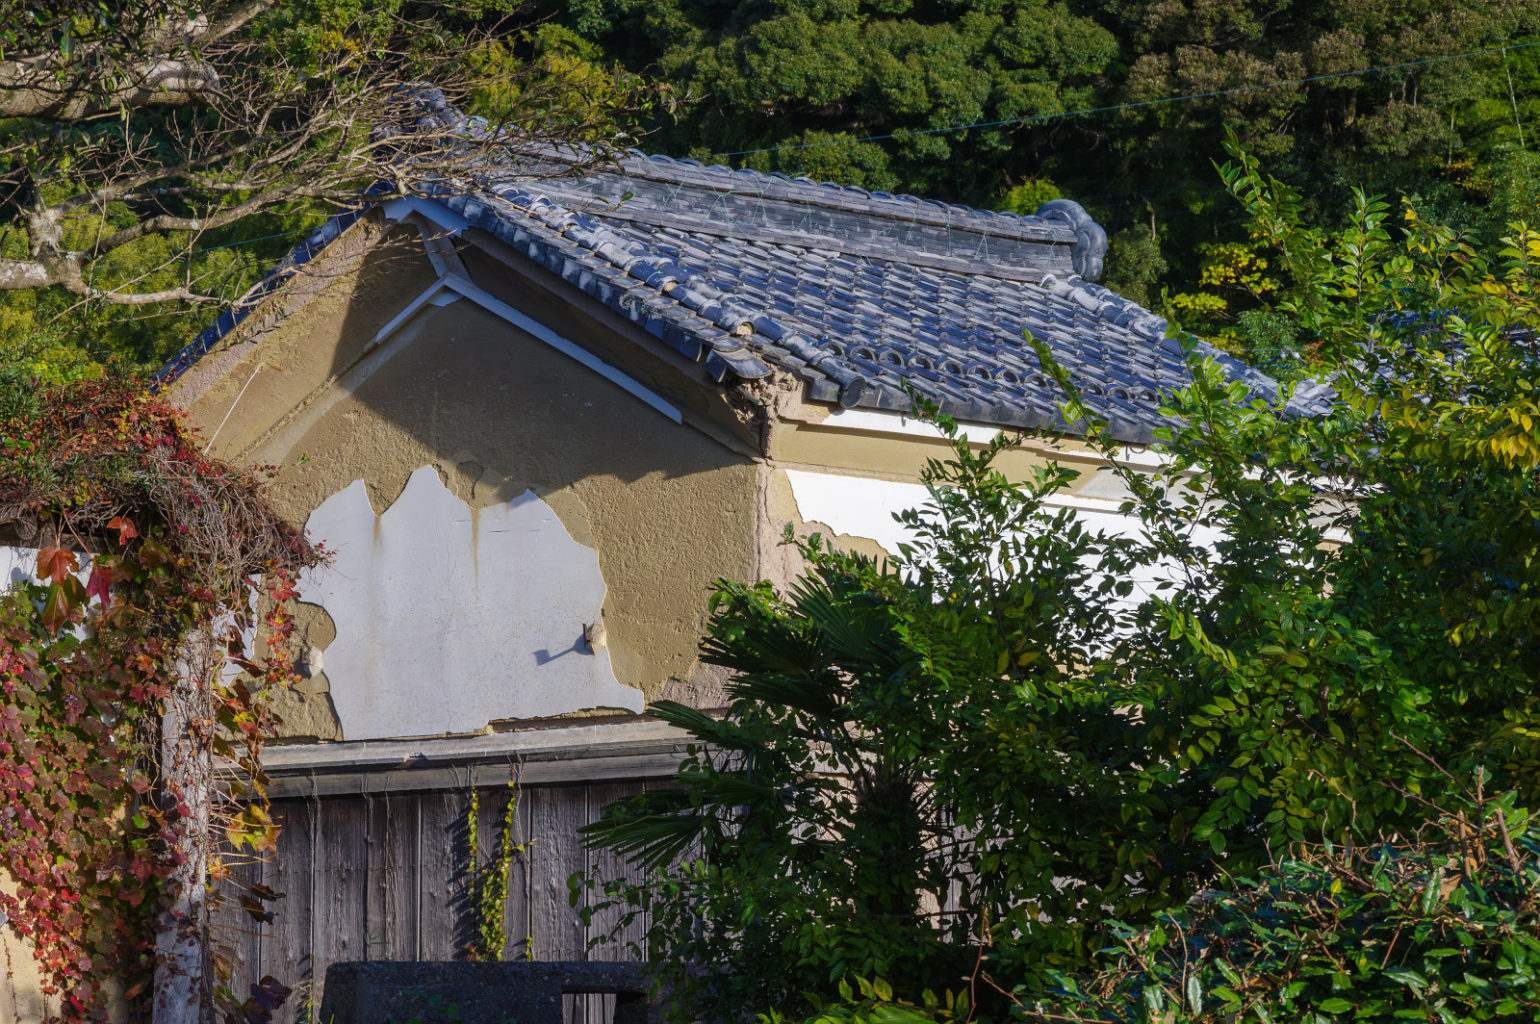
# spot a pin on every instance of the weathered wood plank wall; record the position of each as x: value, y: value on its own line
x: 382, y: 876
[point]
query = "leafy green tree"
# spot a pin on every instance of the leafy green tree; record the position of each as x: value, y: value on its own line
x: 812, y: 77
x: 155, y: 159
x: 868, y: 92
x: 818, y: 823
x: 1019, y: 731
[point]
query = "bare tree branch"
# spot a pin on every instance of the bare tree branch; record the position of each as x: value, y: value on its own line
x: 68, y: 274
x: 236, y: 20
x: 30, y: 90
x: 213, y: 122
x: 97, y: 79
x: 24, y: 274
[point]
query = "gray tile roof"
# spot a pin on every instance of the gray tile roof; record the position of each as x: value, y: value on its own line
x: 853, y: 292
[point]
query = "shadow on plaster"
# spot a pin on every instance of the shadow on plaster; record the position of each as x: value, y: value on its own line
x: 456, y: 372
x: 501, y: 415
x: 17, y: 565
x: 449, y: 617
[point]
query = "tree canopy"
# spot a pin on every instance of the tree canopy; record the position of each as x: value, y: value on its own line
x: 997, y: 103
x: 798, y: 84
x: 156, y: 158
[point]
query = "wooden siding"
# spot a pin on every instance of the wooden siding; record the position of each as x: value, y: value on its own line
x: 382, y: 876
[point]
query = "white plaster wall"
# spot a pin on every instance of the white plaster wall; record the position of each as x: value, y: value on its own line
x: 16, y: 565
x: 864, y: 507
x: 448, y: 618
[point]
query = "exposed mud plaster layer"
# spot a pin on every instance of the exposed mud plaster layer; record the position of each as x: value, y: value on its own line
x: 270, y: 375
x: 306, y: 709
x: 310, y: 279
x: 497, y: 414
x: 778, y: 561
x: 21, y: 997
x: 892, y: 455
x: 449, y: 617
x: 610, y: 336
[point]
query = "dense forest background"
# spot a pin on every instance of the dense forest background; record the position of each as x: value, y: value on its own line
x: 797, y: 85
x: 1005, y: 104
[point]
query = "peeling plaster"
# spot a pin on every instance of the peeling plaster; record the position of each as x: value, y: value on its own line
x: 856, y: 506
x: 448, y: 618
x: 668, y: 507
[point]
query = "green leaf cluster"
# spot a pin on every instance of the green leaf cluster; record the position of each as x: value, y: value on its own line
x: 1022, y: 729
x: 1437, y: 927
x: 804, y: 73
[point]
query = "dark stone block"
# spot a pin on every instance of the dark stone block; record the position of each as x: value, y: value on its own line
x: 520, y: 992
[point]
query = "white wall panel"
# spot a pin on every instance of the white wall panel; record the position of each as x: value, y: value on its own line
x: 448, y: 617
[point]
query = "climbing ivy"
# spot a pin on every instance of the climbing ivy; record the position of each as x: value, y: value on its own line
x: 148, y: 557
x: 488, y: 883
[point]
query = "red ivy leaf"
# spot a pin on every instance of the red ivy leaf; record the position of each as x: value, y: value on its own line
x: 100, y: 584
x: 56, y: 564
x: 56, y: 610
x: 125, y: 528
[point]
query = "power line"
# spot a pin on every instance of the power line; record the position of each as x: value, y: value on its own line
x: 1130, y: 106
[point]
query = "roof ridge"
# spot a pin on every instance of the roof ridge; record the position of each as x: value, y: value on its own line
x: 718, y: 305
x: 856, y: 192
x: 691, y: 196
x: 636, y: 162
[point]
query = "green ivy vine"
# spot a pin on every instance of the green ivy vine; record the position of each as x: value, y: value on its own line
x: 148, y: 554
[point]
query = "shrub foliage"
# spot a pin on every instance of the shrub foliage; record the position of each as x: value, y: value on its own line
x: 1443, y: 926
x: 1022, y: 729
